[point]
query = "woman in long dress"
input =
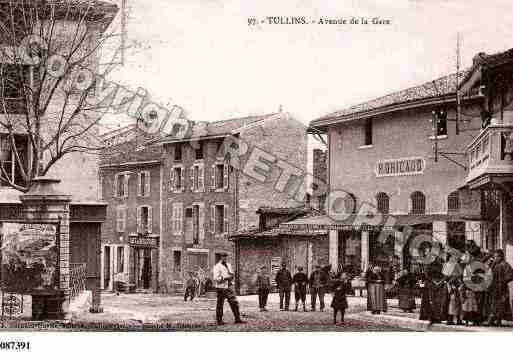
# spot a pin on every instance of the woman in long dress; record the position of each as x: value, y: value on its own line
x: 376, y: 291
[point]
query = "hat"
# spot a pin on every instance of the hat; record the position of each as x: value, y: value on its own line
x: 222, y: 255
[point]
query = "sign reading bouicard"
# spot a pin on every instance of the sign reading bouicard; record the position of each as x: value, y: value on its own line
x: 29, y: 257
x: 400, y: 167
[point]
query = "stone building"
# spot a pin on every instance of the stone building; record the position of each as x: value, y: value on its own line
x: 202, y: 196
x: 269, y: 244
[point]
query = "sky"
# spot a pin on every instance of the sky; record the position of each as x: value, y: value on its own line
x: 203, y: 56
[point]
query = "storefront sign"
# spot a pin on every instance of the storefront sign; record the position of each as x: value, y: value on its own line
x: 143, y: 241
x: 400, y: 167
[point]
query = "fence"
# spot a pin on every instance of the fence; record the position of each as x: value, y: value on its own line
x: 77, y: 278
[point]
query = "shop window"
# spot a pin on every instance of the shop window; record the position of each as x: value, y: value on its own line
x: 453, y: 202
x: 177, y: 261
x: 120, y: 259
x: 418, y: 203
x: 368, y: 133
x: 383, y: 203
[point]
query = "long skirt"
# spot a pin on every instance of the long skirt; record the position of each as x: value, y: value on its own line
x: 406, y: 299
x: 376, y: 297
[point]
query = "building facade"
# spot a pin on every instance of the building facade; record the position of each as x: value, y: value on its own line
x: 197, y: 197
x: 399, y: 159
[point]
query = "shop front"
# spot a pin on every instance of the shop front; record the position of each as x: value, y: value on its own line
x: 144, y: 256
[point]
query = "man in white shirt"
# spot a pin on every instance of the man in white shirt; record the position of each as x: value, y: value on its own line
x: 223, y: 277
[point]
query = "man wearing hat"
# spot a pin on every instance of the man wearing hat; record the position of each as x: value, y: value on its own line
x: 300, y: 281
x: 318, y: 283
x: 223, y: 276
x: 500, y: 306
x: 284, y: 282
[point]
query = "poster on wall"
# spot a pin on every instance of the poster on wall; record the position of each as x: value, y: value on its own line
x: 275, y: 267
x: 29, y: 257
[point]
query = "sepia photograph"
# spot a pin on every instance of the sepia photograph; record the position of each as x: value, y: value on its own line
x: 214, y: 166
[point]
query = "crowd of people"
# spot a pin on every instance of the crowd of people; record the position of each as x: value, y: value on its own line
x: 454, y: 291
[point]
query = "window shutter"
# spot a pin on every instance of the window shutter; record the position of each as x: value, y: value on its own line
x: 115, y: 185
x: 172, y: 179
x: 138, y: 220
x: 150, y: 219
x: 201, y: 222
x: 147, y: 185
x: 182, y: 184
x: 191, y: 178
x: 213, y: 178
x: 125, y: 185
x: 226, y: 218
x: 201, y: 182
x: 139, y: 185
x: 213, y: 219
x: 225, y: 176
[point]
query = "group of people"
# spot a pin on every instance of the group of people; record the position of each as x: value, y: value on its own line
x: 320, y: 281
x: 457, y: 293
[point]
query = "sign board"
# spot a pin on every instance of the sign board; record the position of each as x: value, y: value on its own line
x: 400, y: 167
x: 143, y: 241
x: 30, y: 254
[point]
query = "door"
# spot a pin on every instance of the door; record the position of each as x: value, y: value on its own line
x: 198, y: 262
x: 143, y: 267
x: 106, y: 267
x: 300, y: 256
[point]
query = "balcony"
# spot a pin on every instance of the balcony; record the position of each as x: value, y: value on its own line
x: 490, y: 157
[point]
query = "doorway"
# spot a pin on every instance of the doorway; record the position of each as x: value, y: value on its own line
x: 143, y: 268
x: 106, y: 267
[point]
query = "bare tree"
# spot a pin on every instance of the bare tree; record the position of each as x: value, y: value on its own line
x: 49, y: 63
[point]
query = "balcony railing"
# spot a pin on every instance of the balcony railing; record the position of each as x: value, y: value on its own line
x: 491, y: 152
x: 77, y: 278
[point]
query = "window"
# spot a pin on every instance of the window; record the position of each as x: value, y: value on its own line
x: 383, y: 203
x: 144, y: 219
x: 195, y: 223
x: 176, y: 218
x: 143, y: 185
x: 368, y: 133
x: 178, y: 152
x: 440, y: 126
x: 453, y: 201
x: 199, y: 150
x: 219, y: 176
x: 219, y: 219
x: 177, y: 261
x: 219, y: 148
x: 176, y: 181
x: 418, y: 203
x: 120, y: 218
x: 121, y: 185
x: 12, y: 79
x: 120, y: 259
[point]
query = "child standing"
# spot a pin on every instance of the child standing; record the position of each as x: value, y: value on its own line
x: 468, y: 304
x: 341, y: 287
x: 454, y: 310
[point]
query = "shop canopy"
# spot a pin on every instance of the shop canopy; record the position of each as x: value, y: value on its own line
x: 369, y: 223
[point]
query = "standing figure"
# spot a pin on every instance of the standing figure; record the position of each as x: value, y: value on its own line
x: 437, y: 296
x: 469, y: 307
x: 263, y: 284
x: 318, y: 282
x: 454, y: 308
x: 500, y: 305
x: 284, y: 282
x: 223, y: 278
x: 300, y: 281
x: 190, y: 287
x: 376, y: 291
x: 341, y: 287
x: 406, y: 282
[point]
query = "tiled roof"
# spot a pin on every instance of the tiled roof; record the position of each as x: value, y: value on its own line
x: 220, y: 128
x: 440, y: 87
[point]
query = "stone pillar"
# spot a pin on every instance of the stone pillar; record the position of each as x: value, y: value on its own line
x: 43, y: 203
x: 440, y: 232
x: 399, y: 246
x: 365, y: 250
x: 333, y: 249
